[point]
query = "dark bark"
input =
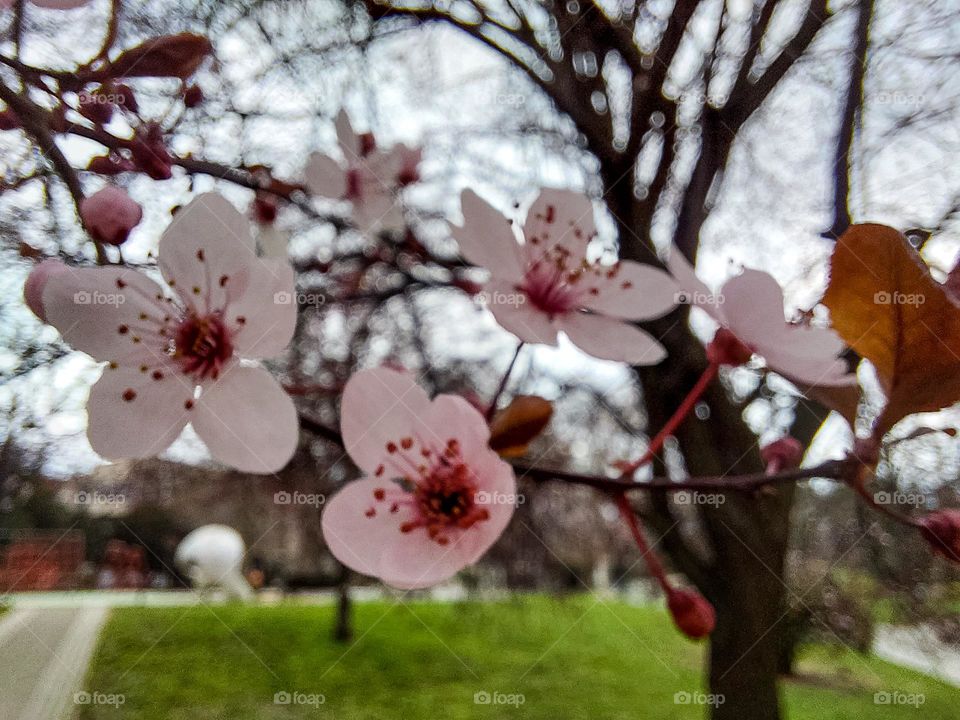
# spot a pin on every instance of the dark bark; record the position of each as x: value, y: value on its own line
x: 343, y: 628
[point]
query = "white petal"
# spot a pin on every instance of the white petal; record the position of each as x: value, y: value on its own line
x: 611, y: 339
x: 636, y: 292
x: 325, y: 177
x: 247, y: 421
x: 98, y: 311
x: 207, y: 251
x: 133, y: 414
x: 268, y: 307
x: 486, y: 238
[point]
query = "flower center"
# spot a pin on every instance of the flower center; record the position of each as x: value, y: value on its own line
x: 556, y: 282
x: 202, y: 345
x: 438, y: 486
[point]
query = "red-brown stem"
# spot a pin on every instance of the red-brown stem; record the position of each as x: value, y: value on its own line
x: 646, y: 552
x: 492, y: 408
x: 861, y: 490
x: 674, y: 422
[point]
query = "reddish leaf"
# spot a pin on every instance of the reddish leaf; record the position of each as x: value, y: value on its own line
x: 518, y: 424
x: 168, y: 56
x: 890, y: 310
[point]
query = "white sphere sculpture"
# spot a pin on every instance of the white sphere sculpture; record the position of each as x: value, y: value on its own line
x: 212, y: 557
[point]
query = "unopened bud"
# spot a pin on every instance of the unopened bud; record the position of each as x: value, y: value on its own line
x: 782, y: 454
x: 110, y: 165
x: 693, y: 615
x: 192, y: 96
x: 727, y: 349
x: 9, y: 120
x: 109, y: 215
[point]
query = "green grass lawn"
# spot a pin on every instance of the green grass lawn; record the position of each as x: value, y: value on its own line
x: 572, y: 658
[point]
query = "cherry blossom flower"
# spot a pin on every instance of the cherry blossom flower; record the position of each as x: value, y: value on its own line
x: 750, y: 305
x: 174, y: 360
x: 110, y: 214
x: 368, y: 178
x: 547, y: 284
x: 434, y: 497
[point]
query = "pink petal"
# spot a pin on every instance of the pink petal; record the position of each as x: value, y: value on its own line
x: 414, y: 560
x: 694, y: 290
x: 348, y: 139
x: 379, y: 406
x: 357, y: 539
x: 268, y: 307
x: 56, y: 4
x: 378, y: 209
x: 325, y: 177
x: 207, y: 252
x: 486, y: 238
x: 247, y: 421
x: 514, y: 311
x: 753, y: 306
x: 636, y: 292
x: 98, y: 311
x: 451, y: 416
x: 558, y: 218
x: 806, y: 371
x: 37, y: 281
x: 611, y: 339
x: 134, y: 414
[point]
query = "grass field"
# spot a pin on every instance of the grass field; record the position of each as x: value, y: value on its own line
x: 547, y: 658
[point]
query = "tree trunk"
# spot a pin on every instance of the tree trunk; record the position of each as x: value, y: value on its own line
x: 343, y: 628
x: 747, y: 535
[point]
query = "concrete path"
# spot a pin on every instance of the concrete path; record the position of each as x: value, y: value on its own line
x: 918, y: 648
x: 45, y: 655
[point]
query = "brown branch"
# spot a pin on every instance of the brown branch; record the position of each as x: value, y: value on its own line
x: 36, y: 122
x: 746, y: 97
x: 849, y: 121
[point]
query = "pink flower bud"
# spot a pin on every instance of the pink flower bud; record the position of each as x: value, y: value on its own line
x: 192, y: 96
x: 693, y: 615
x: 37, y: 281
x: 9, y: 120
x: 782, y: 454
x: 727, y: 349
x: 110, y: 165
x: 97, y: 106
x: 942, y: 530
x: 109, y: 215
